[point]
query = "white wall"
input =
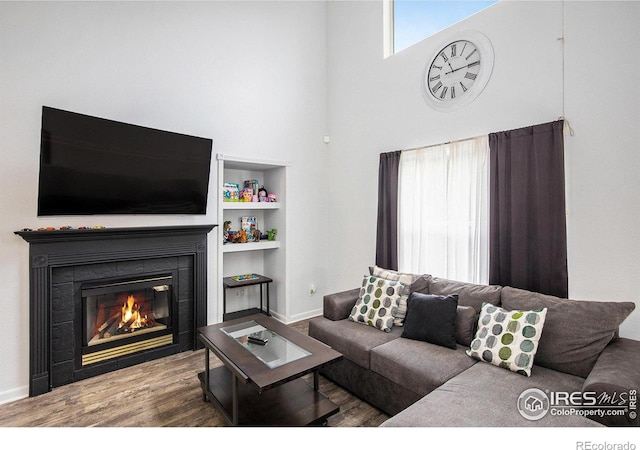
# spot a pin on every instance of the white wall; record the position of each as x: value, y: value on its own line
x: 250, y: 75
x: 375, y: 106
x: 603, y: 104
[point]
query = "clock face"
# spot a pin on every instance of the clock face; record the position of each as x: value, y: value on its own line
x: 457, y: 73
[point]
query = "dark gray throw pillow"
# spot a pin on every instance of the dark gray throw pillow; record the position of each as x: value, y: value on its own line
x: 431, y: 318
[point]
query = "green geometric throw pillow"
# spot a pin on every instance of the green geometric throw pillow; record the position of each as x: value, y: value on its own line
x: 377, y: 303
x: 508, y: 339
x: 405, y: 279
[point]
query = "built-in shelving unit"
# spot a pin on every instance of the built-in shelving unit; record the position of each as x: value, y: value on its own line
x: 264, y: 257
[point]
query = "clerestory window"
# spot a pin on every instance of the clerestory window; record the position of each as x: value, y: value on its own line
x: 408, y: 22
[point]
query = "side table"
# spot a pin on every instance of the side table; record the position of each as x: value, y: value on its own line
x: 231, y: 283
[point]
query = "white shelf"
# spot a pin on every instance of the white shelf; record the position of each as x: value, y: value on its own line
x: 249, y: 246
x: 250, y: 205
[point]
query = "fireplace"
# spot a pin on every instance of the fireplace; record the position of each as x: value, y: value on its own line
x: 121, y: 316
x: 105, y: 299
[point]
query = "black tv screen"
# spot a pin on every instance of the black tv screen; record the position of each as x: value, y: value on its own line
x: 90, y: 165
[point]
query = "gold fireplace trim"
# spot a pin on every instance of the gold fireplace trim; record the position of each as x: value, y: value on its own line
x: 103, y: 355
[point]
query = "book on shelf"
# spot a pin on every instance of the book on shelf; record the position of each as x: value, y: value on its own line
x: 231, y: 192
x: 253, y: 185
x: 249, y: 224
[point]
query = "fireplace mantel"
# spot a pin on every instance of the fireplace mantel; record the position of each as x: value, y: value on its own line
x: 93, y: 234
x: 105, y: 247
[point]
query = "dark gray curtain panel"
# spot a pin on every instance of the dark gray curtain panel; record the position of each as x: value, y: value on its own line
x: 527, y: 237
x: 387, y: 229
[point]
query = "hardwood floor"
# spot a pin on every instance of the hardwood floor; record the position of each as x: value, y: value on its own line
x: 161, y: 393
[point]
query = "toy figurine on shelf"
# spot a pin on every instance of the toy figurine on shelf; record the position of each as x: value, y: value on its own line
x: 262, y: 194
x: 243, y: 236
x: 226, y: 231
x: 271, y: 234
x: 272, y: 198
x: 256, y: 235
x: 246, y: 195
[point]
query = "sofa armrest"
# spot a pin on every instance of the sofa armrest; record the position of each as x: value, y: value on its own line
x: 338, y: 306
x: 615, y: 379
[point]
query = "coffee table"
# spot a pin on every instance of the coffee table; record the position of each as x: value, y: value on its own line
x: 261, y: 385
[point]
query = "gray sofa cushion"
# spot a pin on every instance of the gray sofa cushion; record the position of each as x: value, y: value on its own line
x: 469, y: 294
x: 353, y: 340
x: 486, y: 396
x: 417, y: 365
x: 575, y: 332
x: 466, y: 322
x: 338, y: 306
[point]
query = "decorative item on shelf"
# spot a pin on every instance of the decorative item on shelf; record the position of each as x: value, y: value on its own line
x: 256, y: 235
x: 231, y: 192
x: 247, y: 194
x: 243, y: 236
x: 249, y: 224
x: 251, y: 185
x: 272, y: 198
x: 226, y: 230
x: 262, y: 194
x: 271, y: 234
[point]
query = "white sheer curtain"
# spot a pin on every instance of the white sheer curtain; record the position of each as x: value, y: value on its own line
x: 443, y: 211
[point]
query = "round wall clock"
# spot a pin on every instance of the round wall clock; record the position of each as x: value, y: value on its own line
x: 458, y: 71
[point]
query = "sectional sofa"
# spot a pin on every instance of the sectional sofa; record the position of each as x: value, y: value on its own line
x: 433, y: 352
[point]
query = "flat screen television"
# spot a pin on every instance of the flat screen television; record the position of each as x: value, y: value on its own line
x: 90, y: 165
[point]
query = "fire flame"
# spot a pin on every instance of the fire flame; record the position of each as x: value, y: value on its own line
x: 132, y: 317
x: 130, y: 313
x: 125, y: 319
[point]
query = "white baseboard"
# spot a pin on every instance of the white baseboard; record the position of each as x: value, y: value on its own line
x: 304, y: 316
x: 12, y: 395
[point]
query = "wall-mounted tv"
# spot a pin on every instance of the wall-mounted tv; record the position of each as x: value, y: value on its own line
x: 90, y: 165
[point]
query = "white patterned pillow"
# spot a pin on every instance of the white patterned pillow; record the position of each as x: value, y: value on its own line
x: 405, y: 279
x: 508, y: 339
x: 377, y: 302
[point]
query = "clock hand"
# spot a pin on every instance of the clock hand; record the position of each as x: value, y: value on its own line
x: 453, y: 70
x: 459, y: 68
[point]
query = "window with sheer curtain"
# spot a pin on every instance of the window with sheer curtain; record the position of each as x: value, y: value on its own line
x: 443, y: 210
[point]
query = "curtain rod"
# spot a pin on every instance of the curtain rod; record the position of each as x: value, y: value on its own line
x: 567, y: 126
x: 436, y: 145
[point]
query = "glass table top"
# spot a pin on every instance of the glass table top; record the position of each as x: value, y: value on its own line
x: 277, y: 350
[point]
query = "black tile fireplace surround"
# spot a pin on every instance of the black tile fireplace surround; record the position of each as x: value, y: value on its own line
x: 63, y: 262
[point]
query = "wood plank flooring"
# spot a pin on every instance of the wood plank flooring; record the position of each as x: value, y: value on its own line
x: 161, y: 393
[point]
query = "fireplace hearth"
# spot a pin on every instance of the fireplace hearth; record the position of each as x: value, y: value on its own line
x: 105, y: 299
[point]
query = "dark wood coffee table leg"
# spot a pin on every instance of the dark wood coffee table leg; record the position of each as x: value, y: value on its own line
x: 206, y: 373
x: 234, y: 401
